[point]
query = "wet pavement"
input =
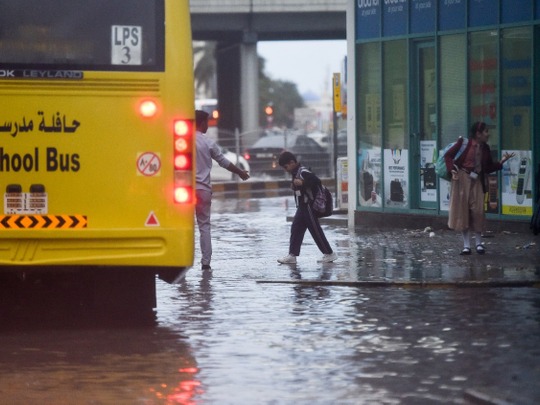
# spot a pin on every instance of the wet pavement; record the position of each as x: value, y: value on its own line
x: 377, y: 257
x: 399, y: 318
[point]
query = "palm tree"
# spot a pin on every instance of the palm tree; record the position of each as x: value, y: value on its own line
x: 205, y: 68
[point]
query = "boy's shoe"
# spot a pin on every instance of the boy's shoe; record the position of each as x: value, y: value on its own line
x: 327, y: 258
x: 289, y: 259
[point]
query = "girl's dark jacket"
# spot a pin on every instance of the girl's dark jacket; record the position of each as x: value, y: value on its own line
x: 488, y: 164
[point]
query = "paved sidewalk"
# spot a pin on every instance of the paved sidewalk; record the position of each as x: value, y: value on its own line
x: 426, y: 258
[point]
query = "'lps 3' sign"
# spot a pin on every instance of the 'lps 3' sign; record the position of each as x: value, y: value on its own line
x: 126, y: 46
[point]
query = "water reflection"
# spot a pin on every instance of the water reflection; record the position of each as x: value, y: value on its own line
x: 94, y: 359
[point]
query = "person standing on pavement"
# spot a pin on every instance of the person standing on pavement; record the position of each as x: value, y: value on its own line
x: 469, y: 185
x: 207, y: 150
x: 304, y: 184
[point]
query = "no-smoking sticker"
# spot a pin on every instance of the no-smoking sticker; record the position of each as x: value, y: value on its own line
x: 148, y: 164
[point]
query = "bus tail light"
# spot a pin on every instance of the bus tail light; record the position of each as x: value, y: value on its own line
x: 148, y: 108
x: 183, y: 161
x: 183, y: 195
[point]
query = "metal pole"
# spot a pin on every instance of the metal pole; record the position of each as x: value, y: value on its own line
x: 237, y: 144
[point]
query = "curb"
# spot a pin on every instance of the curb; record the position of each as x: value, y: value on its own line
x: 258, y: 189
x: 409, y: 284
x: 275, y: 188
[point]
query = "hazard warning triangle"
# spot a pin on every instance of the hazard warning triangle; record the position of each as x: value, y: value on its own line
x: 152, y: 220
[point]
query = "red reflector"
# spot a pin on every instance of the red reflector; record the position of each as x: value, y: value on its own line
x: 183, y: 194
x: 181, y: 128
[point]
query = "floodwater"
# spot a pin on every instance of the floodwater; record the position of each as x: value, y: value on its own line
x: 225, y: 337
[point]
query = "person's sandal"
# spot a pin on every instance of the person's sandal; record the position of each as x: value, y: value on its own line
x: 480, y: 249
x: 466, y: 251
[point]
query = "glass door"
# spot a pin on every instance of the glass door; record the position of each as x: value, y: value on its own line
x: 424, y: 126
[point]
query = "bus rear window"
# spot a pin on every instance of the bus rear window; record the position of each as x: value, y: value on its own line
x: 125, y: 35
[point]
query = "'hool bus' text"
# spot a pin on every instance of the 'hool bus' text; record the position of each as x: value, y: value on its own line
x: 30, y: 162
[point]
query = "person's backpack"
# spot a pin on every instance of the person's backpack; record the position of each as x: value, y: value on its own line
x: 440, y: 164
x: 323, y: 204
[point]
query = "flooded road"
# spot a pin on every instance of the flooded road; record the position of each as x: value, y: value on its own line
x: 226, y: 337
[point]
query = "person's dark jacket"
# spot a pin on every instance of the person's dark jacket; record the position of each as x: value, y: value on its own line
x: 488, y: 164
x: 309, y: 188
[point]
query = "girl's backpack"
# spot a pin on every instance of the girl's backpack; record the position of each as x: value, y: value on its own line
x: 440, y: 165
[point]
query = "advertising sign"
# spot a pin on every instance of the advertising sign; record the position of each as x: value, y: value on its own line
x: 396, y: 174
x: 517, y: 175
x: 368, y: 19
x: 395, y: 13
x: 369, y: 185
x: 423, y: 16
x: 483, y: 13
x: 452, y: 15
x: 428, y: 180
x: 516, y: 11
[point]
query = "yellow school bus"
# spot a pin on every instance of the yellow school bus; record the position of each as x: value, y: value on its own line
x: 97, y: 142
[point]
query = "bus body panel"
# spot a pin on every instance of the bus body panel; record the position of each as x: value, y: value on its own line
x: 85, y: 179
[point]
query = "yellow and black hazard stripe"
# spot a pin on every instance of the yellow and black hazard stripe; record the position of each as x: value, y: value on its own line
x: 43, y: 221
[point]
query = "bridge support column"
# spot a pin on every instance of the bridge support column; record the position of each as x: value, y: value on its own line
x: 228, y: 89
x: 249, y: 87
x: 238, y: 88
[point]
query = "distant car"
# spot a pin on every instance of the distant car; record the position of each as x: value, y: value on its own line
x: 264, y: 154
x: 321, y: 138
x: 342, y: 143
x: 219, y: 173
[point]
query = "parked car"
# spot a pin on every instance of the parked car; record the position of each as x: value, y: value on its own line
x: 264, y: 154
x: 321, y: 138
x: 219, y: 173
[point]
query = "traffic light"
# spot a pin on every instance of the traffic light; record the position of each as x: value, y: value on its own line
x: 269, y: 110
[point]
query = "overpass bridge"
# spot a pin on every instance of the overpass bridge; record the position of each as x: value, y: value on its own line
x: 237, y: 25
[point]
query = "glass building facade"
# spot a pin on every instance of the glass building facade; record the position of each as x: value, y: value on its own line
x: 425, y: 71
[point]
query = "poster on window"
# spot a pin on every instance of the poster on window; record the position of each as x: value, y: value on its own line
x: 517, y: 177
x: 444, y: 194
x: 369, y: 184
x: 428, y: 178
x: 396, y: 173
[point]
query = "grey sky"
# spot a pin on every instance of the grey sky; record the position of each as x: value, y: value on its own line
x: 309, y: 64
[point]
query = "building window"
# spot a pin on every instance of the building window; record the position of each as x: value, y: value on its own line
x: 453, y: 85
x: 516, y: 79
x: 395, y: 95
x: 483, y: 67
x: 369, y: 83
x: 369, y: 124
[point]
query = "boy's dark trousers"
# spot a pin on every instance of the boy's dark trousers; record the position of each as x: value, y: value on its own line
x: 304, y: 218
